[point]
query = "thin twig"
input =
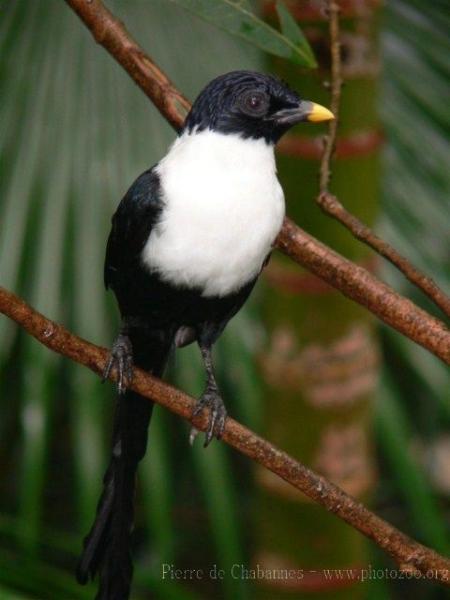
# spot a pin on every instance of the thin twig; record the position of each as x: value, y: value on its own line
x: 408, y: 554
x: 335, y: 93
x: 350, y: 279
x: 331, y: 205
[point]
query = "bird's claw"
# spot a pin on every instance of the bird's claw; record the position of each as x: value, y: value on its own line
x: 121, y: 358
x: 216, y: 423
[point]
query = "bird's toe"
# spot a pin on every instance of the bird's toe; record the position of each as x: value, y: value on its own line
x: 121, y: 359
x: 216, y: 421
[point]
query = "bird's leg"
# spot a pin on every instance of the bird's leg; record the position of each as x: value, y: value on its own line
x: 121, y: 358
x: 211, y: 399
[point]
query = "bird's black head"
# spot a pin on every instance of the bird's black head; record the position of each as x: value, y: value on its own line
x: 253, y: 105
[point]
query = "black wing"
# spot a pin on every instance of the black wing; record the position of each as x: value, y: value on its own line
x: 132, y: 223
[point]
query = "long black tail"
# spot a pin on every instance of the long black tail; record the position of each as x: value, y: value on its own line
x: 107, y: 547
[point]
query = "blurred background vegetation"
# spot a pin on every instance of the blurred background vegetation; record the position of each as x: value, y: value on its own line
x: 75, y: 132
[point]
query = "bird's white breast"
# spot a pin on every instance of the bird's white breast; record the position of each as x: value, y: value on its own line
x: 223, y: 208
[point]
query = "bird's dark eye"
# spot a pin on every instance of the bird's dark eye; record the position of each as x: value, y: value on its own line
x: 254, y: 103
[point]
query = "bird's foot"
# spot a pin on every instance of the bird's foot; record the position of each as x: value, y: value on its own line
x: 211, y: 399
x: 121, y: 358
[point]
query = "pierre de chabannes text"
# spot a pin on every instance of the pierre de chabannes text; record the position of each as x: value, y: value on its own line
x: 257, y: 572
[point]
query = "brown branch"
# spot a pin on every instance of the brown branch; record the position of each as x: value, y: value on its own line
x: 331, y: 205
x: 408, y: 554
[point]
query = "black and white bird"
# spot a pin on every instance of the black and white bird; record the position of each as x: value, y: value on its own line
x: 188, y: 242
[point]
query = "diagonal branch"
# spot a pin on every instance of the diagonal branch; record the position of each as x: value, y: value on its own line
x: 331, y: 205
x: 408, y: 554
x: 353, y: 281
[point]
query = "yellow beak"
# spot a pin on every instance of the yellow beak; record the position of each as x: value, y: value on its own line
x: 319, y: 113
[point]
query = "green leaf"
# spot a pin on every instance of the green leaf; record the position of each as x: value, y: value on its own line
x: 236, y: 18
x: 291, y: 30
